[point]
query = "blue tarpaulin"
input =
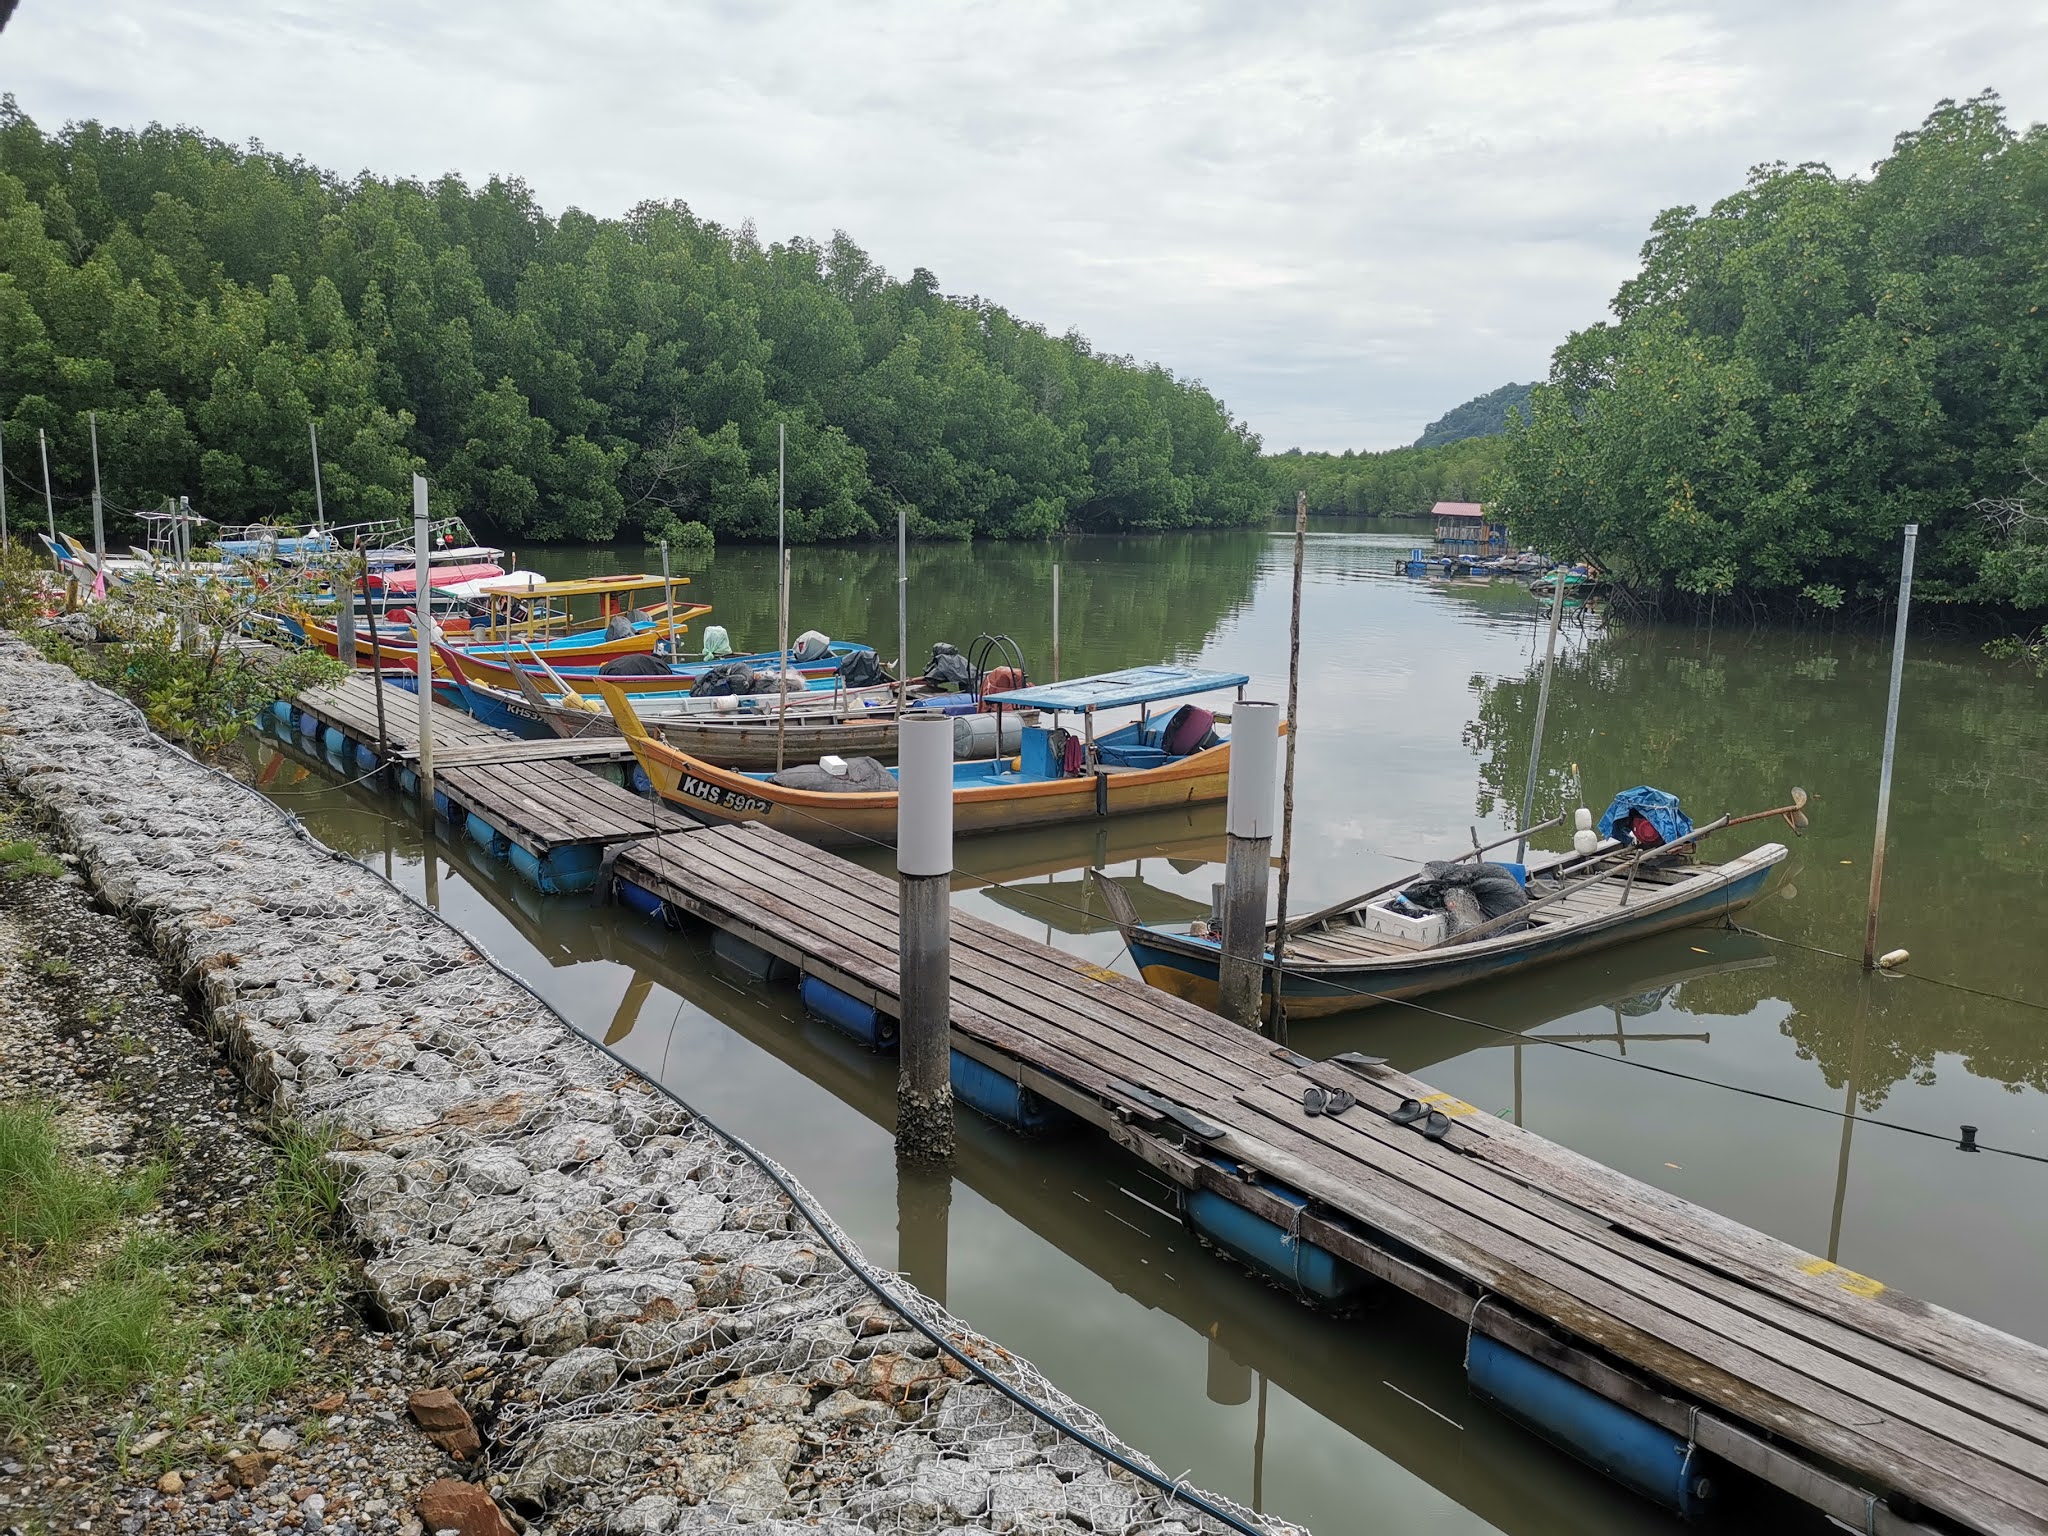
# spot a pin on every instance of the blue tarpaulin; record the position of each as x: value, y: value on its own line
x: 1659, y: 807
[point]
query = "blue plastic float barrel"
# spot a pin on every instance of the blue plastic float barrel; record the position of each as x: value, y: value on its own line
x: 1273, y: 1250
x: 560, y: 871
x: 1624, y: 1445
x: 848, y: 1014
x: 281, y: 709
x: 1005, y: 1100
x: 308, y: 726
x: 483, y: 834
x: 637, y: 898
x: 445, y: 808
x: 642, y: 785
x: 408, y: 781
x: 366, y: 760
x: 334, y: 741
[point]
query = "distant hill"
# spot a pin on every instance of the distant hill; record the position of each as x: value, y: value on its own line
x: 1477, y: 418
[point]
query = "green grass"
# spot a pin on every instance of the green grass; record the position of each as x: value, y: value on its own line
x: 89, y: 1321
x: 101, y: 1339
x: 24, y: 861
x: 49, y: 1200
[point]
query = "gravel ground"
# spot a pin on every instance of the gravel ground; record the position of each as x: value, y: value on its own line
x: 89, y: 1023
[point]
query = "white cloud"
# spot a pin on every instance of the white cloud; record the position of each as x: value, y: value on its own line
x: 1345, y: 218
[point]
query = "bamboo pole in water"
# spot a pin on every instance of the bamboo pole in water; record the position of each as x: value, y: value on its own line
x: 1279, y: 1027
x: 1542, y: 709
x: 1891, y: 735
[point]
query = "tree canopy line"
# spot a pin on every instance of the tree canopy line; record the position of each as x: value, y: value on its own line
x: 558, y: 377
x: 1813, y: 362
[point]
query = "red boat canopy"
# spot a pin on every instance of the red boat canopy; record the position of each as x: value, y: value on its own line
x: 399, y: 582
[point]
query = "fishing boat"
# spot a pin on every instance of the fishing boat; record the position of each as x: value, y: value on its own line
x: 732, y: 732
x: 1056, y: 776
x: 525, y: 619
x: 1382, y: 946
x: 503, y: 668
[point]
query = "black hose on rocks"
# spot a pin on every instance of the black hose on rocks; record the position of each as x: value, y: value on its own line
x: 776, y: 1175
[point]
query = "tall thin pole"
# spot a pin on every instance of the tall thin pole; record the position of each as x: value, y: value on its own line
x: 5, y: 541
x: 319, y: 499
x: 1279, y: 1029
x: 99, y: 522
x: 782, y: 679
x: 668, y: 604
x: 1248, y: 817
x: 376, y: 667
x: 49, y: 506
x: 423, y: 630
x: 1891, y: 733
x: 1055, y: 621
x: 902, y: 605
x: 1542, y: 709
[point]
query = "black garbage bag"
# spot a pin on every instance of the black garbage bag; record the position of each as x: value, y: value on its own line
x: 637, y: 665
x: 1469, y: 894
x: 730, y: 677
x: 861, y: 669
x: 948, y: 668
x: 864, y: 775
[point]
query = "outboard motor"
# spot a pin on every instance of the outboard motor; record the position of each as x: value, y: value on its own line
x: 810, y: 646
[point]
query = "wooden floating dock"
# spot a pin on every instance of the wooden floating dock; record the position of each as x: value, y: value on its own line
x: 1883, y: 1412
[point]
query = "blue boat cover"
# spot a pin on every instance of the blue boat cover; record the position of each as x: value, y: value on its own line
x: 1659, y: 807
x: 1108, y: 690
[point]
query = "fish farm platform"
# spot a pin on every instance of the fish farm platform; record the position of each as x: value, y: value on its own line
x: 1653, y: 1338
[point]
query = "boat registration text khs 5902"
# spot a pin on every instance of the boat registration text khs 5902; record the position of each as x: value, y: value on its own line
x: 725, y: 799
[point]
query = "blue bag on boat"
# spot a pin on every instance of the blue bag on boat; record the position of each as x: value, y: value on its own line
x: 1658, y: 807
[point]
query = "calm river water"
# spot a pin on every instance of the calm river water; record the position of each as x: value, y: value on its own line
x: 1417, y: 704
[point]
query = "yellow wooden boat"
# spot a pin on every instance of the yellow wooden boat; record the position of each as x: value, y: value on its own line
x: 1149, y: 764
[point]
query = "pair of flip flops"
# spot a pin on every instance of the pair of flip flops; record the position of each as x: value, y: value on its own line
x: 1432, y: 1123
x: 1318, y: 1100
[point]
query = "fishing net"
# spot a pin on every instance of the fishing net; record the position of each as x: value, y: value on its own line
x: 654, y: 1330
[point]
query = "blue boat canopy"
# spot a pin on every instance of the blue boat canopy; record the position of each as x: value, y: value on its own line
x: 1109, y: 690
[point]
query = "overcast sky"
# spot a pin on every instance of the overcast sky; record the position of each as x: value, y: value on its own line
x: 1345, y: 218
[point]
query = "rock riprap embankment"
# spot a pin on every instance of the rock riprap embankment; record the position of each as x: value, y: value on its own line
x: 646, y: 1335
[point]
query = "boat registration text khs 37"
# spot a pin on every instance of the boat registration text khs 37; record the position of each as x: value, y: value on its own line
x: 724, y: 799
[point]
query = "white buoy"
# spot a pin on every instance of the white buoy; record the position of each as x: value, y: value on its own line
x: 1892, y: 959
x: 1582, y: 819
x: 1584, y: 841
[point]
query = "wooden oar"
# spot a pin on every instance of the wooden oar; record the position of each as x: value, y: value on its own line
x: 1794, y: 814
x: 1298, y: 924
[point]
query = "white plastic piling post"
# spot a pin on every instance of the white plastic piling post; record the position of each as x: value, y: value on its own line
x: 924, y: 868
x: 423, y: 630
x: 1891, y: 733
x: 1542, y: 709
x: 1248, y: 818
x: 99, y: 522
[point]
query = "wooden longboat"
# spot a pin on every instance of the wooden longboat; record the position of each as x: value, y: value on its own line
x: 859, y: 722
x: 503, y: 670
x: 1124, y: 771
x: 585, y: 647
x: 1338, y: 964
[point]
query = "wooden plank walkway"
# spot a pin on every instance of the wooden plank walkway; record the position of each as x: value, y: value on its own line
x: 350, y: 706
x: 1868, y: 1404
x: 546, y: 805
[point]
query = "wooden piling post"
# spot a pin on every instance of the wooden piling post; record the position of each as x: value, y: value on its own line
x: 1055, y: 621
x: 319, y: 497
x: 423, y: 632
x: 1891, y: 735
x: 1542, y: 709
x: 1248, y: 818
x: 924, y: 867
